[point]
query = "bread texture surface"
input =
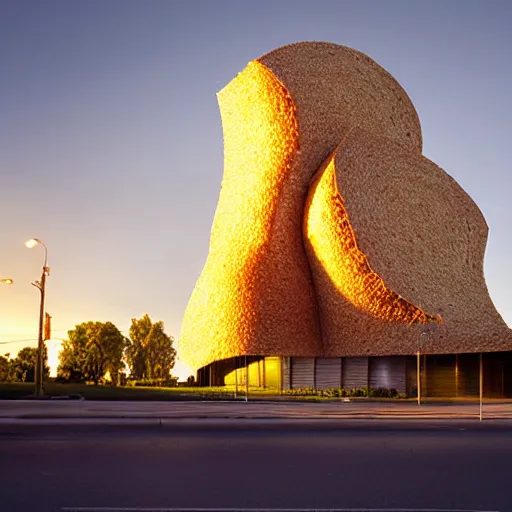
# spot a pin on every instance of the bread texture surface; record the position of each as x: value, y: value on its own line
x: 333, y: 235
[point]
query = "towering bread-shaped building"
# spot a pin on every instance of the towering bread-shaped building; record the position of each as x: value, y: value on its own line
x: 333, y: 235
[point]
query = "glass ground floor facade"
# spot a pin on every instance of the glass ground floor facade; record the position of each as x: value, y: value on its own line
x: 442, y: 375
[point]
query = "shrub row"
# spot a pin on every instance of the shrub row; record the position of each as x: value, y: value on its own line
x: 345, y: 392
x: 154, y: 383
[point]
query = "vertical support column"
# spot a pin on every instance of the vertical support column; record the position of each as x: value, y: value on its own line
x: 246, y: 380
x: 286, y: 373
x: 236, y: 377
x: 457, y: 375
x: 424, y: 389
x: 418, y: 375
x: 502, y: 379
x: 481, y: 388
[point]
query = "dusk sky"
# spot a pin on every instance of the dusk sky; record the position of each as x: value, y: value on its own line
x: 111, y: 141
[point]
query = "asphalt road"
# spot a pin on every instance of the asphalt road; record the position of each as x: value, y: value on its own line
x: 372, y: 464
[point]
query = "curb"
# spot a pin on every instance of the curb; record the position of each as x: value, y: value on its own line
x: 73, y: 425
x: 233, y: 418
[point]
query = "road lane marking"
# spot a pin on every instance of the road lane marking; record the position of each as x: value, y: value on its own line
x: 179, y: 509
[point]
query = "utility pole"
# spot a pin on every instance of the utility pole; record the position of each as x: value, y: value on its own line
x: 41, y: 286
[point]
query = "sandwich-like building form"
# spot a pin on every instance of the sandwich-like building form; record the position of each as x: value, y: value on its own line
x: 338, y: 251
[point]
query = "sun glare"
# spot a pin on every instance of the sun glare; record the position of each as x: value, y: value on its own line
x: 54, y: 347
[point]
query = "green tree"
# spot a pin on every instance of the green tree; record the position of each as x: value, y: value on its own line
x: 92, y: 350
x: 160, y: 353
x: 150, y: 352
x: 70, y: 366
x: 136, y: 350
x: 24, y: 365
x: 5, y: 369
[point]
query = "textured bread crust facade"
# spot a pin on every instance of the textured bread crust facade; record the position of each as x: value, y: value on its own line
x: 255, y: 295
x: 333, y: 235
x: 420, y: 233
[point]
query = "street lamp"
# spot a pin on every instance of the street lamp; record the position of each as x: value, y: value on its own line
x: 418, y: 364
x: 6, y: 280
x: 40, y: 285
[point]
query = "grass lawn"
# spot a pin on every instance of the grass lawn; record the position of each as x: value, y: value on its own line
x: 20, y: 390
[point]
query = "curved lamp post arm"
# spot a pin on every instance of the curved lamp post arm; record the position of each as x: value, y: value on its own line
x: 45, y: 253
x: 37, y: 241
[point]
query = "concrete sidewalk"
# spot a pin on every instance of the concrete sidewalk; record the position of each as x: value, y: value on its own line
x: 50, y: 409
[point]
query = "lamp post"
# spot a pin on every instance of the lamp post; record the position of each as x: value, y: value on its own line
x: 6, y: 280
x: 418, y: 365
x: 41, y: 286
